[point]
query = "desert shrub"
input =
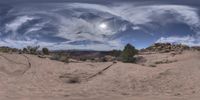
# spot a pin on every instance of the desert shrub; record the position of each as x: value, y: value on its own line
x: 152, y: 65
x: 115, y: 53
x: 45, y: 51
x: 83, y: 59
x: 20, y: 51
x: 25, y: 50
x: 55, y: 57
x: 31, y: 49
x: 74, y: 80
x: 60, y: 57
x: 104, y: 59
x: 64, y: 59
x: 92, y: 59
x: 14, y: 50
x: 128, y: 54
x: 166, y: 61
x: 140, y: 59
x: 5, y: 49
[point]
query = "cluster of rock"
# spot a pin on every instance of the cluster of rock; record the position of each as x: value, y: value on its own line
x: 166, y: 47
x: 196, y: 48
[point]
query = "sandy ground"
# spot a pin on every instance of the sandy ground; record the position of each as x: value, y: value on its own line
x: 27, y: 77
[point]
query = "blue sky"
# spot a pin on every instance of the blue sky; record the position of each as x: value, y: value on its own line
x: 98, y: 24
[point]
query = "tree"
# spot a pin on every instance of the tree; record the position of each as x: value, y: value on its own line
x: 115, y: 53
x: 45, y: 51
x: 25, y: 50
x: 128, y: 54
x: 32, y: 50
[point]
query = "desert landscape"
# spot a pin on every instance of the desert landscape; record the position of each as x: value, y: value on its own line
x: 158, y: 74
x: 99, y: 49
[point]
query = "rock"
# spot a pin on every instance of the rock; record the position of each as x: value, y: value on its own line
x: 166, y: 47
x: 73, y: 60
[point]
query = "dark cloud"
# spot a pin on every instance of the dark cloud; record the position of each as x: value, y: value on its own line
x: 189, y: 2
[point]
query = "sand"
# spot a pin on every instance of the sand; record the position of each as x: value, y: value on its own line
x: 27, y: 77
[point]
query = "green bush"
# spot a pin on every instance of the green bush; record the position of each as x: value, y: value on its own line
x: 55, y: 57
x: 60, y: 57
x: 128, y: 54
x: 5, y: 49
x: 83, y: 59
x: 31, y: 49
x: 45, y: 51
x: 115, y: 53
x: 25, y: 50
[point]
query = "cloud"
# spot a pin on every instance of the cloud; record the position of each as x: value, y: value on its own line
x: 136, y: 28
x: 153, y: 13
x: 14, y: 25
x: 79, y: 23
x: 61, y: 46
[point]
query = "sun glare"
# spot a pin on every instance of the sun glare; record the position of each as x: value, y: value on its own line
x: 103, y: 26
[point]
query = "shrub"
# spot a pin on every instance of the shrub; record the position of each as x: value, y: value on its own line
x: 64, y: 59
x: 45, y: 51
x: 128, y: 54
x: 60, y: 57
x: 152, y: 65
x: 83, y: 59
x: 115, y: 53
x: 5, y: 49
x: 25, y: 50
x: 74, y: 80
x: 31, y: 49
x: 104, y: 59
x: 55, y: 57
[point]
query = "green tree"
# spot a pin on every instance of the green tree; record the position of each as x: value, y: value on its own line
x: 25, y: 50
x: 115, y: 53
x: 32, y: 49
x: 128, y: 54
x: 45, y: 51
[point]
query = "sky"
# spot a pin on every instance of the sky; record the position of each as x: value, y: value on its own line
x: 98, y: 24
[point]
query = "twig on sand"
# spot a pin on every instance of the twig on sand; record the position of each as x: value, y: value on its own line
x: 29, y: 64
x: 100, y: 72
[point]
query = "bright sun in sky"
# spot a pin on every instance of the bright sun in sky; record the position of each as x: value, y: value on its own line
x: 103, y: 26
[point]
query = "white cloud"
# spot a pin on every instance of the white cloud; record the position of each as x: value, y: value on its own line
x: 145, y: 14
x: 64, y: 45
x: 136, y: 28
x: 135, y: 15
x: 73, y: 28
x: 14, y: 25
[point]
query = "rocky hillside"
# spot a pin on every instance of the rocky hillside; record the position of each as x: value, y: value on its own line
x: 167, y: 47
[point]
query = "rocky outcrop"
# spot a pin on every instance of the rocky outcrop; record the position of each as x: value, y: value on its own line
x: 166, y: 47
